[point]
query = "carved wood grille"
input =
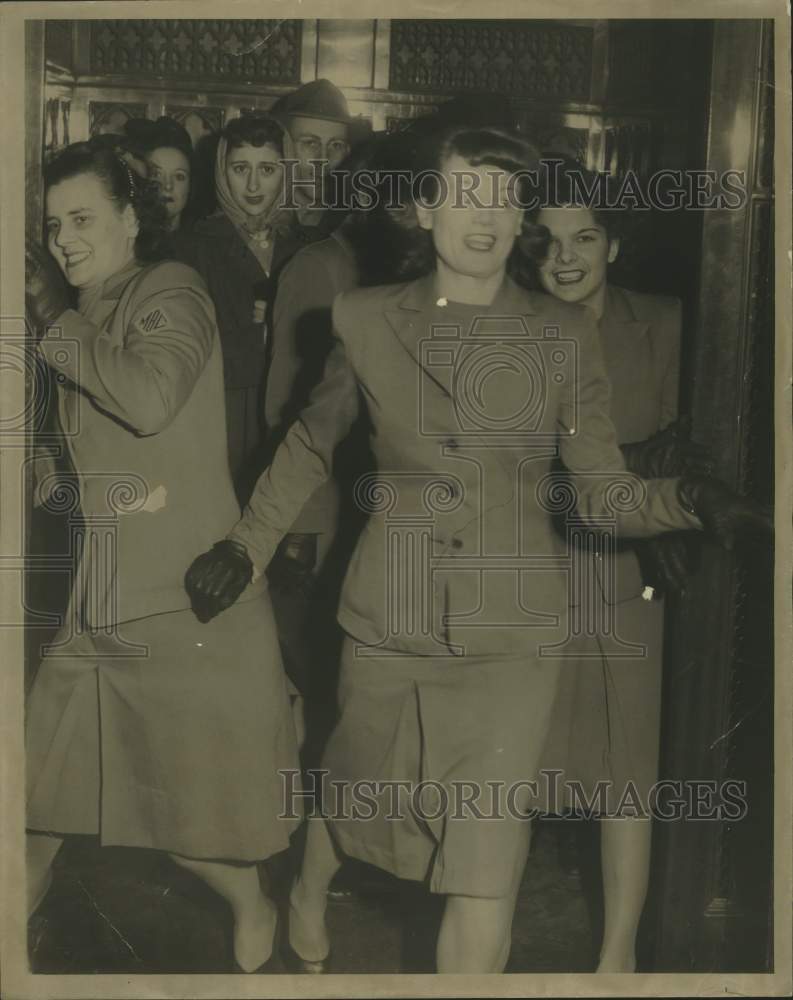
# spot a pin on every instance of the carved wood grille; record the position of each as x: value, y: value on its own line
x: 267, y: 51
x: 519, y: 58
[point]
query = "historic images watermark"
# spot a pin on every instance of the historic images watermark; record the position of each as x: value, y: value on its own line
x: 393, y: 800
x: 528, y: 189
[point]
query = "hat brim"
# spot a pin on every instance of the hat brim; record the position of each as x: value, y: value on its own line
x: 284, y: 116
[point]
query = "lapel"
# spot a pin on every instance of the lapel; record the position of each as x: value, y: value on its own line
x: 413, y: 312
x: 620, y: 329
x: 416, y: 308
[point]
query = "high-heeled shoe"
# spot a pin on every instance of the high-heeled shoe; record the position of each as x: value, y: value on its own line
x: 272, y: 965
x: 296, y: 963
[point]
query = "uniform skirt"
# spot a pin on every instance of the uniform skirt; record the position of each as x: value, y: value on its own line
x: 601, y: 754
x: 426, y: 770
x: 177, y: 749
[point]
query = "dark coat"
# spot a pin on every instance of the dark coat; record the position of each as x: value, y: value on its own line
x: 236, y: 281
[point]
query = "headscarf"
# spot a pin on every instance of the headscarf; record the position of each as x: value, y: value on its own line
x: 258, y: 231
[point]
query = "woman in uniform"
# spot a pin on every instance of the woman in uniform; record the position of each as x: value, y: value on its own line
x: 146, y: 727
x: 606, y: 723
x: 456, y: 590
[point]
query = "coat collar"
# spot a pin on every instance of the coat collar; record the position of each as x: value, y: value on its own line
x: 110, y: 289
x: 510, y: 300
x: 618, y: 308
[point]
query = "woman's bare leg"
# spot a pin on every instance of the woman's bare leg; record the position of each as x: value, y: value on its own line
x: 40, y: 851
x: 625, y: 860
x: 308, y: 897
x: 476, y: 933
x: 254, y: 914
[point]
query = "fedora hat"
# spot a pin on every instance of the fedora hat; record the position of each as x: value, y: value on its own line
x: 318, y: 99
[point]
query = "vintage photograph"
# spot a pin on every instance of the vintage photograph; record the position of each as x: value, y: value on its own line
x: 396, y: 584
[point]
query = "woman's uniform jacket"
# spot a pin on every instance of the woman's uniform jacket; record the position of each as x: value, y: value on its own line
x: 472, y: 492
x: 302, y: 337
x: 140, y: 404
x: 640, y: 339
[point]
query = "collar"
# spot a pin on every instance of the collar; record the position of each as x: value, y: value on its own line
x: 618, y: 308
x: 510, y: 299
x: 217, y: 224
x: 112, y: 287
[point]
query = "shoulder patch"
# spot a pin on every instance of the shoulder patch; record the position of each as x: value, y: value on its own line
x: 154, y: 320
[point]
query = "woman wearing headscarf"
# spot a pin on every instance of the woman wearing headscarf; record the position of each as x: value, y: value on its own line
x: 238, y: 250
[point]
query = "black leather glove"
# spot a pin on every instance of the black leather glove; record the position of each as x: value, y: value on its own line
x: 667, y: 454
x: 217, y: 578
x: 292, y: 568
x: 667, y: 561
x: 723, y: 513
x: 47, y: 294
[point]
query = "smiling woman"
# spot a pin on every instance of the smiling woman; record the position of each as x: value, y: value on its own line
x: 606, y: 722
x: 140, y: 394
x: 445, y: 678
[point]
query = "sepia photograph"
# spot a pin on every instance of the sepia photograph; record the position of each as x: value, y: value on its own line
x: 395, y: 448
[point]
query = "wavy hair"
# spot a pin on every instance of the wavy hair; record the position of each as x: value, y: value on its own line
x: 390, y: 244
x: 564, y: 182
x: 108, y: 158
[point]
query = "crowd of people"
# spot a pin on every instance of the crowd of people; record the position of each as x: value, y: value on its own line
x: 270, y: 374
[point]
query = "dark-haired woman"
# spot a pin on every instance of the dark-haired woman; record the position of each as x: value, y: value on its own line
x: 455, y: 586
x: 238, y: 251
x: 145, y: 727
x: 606, y: 723
x: 168, y: 151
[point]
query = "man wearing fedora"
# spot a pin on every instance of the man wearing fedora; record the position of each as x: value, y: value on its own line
x: 317, y: 119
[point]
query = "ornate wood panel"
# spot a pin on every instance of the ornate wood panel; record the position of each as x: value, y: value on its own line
x: 110, y: 116
x: 266, y: 51
x: 531, y: 58
x: 198, y: 121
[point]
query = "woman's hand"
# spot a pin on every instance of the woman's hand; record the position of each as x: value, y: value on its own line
x: 217, y: 578
x: 724, y: 514
x: 667, y: 454
x: 46, y: 293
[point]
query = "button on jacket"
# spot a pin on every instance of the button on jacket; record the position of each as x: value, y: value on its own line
x: 497, y: 577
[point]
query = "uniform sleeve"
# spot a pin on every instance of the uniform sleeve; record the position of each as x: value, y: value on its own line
x: 588, y: 445
x: 670, y: 386
x: 146, y: 380
x: 303, y: 460
x: 302, y: 337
